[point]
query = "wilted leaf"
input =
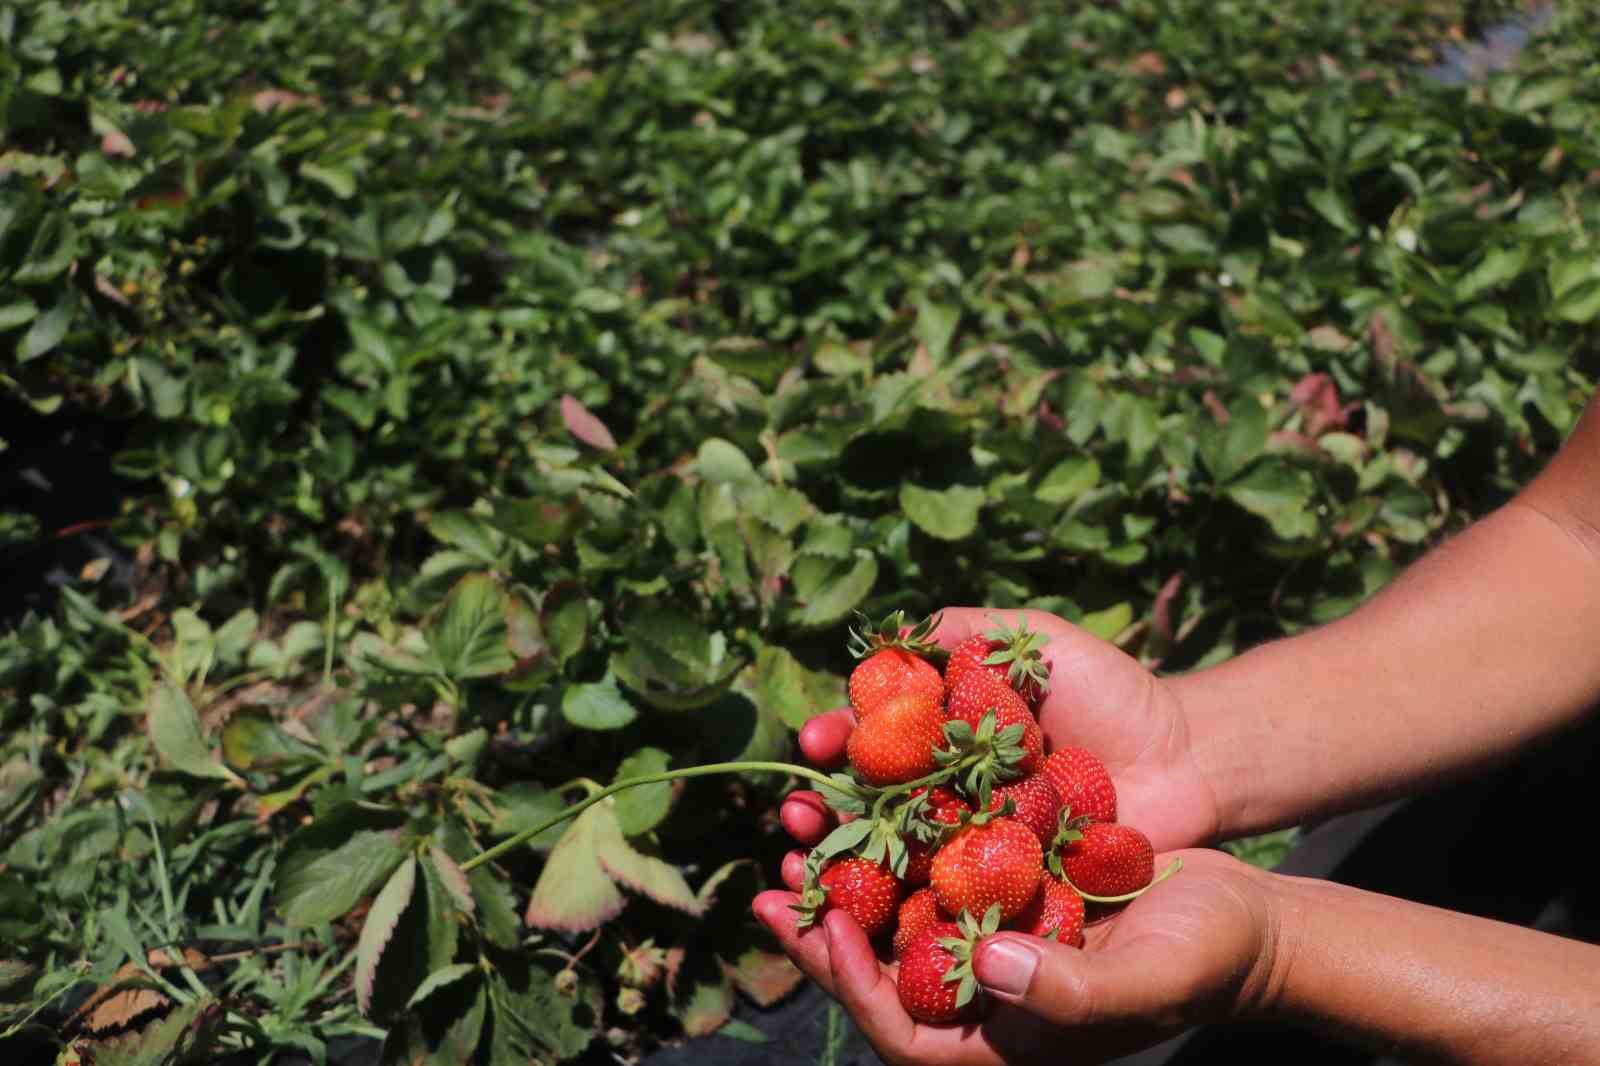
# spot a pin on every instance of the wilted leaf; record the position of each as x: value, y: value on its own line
x: 706, y: 1008
x: 764, y: 976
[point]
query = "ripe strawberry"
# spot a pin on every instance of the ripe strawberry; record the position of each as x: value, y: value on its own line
x: 896, y: 744
x: 924, y: 992
x: 998, y: 861
x: 1083, y: 783
x: 1056, y: 910
x: 892, y: 663
x: 1107, y: 859
x: 918, y: 913
x: 944, y: 807
x: 1037, y: 805
x: 866, y: 890
x: 1012, y: 655
x: 976, y: 692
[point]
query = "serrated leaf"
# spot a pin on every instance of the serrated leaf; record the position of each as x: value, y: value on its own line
x: 470, y: 637
x: 438, y: 979
x: 1280, y: 494
x: 722, y: 463
x: 600, y: 705
x: 642, y: 873
x: 948, y: 514
x: 841, y: 592
x: 495, y: 906
x: 1068, y: 479
x: 333, y: 881
x: 531, y: 1014
x: 175, y: 730
x: 795, y: 693
x: 523, y: 805
x: 707, y: 1007
x: 574, y: 892
x: 453, y: 879
x: 384, y: 915
x: 643, y: 807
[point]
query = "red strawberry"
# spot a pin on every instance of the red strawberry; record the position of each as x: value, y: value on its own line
x: 896, y: 744
x: 945, y: 807
x: 918, y: 913
x: 924, y: 992
x: 1108, y: 859
x: 1057, y: 910
x: 998, y: 861
x: 892, y: 664
x: 1012, y: 655
x: 977, y: 692
x: 866, y: 890
x: 1037, y: 805
x: 1083, y: 783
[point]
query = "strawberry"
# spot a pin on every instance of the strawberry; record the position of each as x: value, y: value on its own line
x: 1036, y: 805
x: 924, y: 992
x: 1105, y: 859
x: 976, y: 692
x: 1083, y: 783
x: 896, y: 744
x: 992, y: 861
x: 942, y: 806
x: 892, y: 663
x: 918, y: 913
x: 865, y: 890
x: 1012, y: 655
x: 1055, y: 911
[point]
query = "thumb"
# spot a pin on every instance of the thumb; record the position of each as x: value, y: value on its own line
x: 1072, y: 987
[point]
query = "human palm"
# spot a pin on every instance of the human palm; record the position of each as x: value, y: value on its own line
x: 1100, y: 699
x: 1197, y: 946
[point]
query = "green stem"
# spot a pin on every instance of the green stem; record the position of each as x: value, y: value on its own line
x: 1174, y: 867
x: 939, y: 776
x: 578, y: 808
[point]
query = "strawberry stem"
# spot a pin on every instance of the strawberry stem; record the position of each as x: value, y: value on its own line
x: 707, y: 770
x: 1176, y: 865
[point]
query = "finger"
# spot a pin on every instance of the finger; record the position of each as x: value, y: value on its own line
x: 1140, y: 982
x: 823, y: 738
x: 794, y: 870
x: 958, y: 623
x: 807, y: 948
x: 861, y: 984
x: 805, y: 817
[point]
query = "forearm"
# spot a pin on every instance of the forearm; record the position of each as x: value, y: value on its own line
x: 1431, y: 984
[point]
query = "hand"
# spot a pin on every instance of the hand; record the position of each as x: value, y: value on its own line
x: 1101, y: 699
x: 1196, y: 947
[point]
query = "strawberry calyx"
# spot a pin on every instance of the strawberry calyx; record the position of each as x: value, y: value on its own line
x: 1020, y: 651
x: 984, y: 756
x: 962, y: 947
x: 892, y: 631
x: 1069, y: 829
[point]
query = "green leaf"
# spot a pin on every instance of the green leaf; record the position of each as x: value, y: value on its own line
x: 49, y: 329
x: 793, y: 692
x: 175, y: 730
x: 574, y: 893
x: 18, y: 312
x: 533, y: 1014
x: 597, y: 301
x: 838, y: 595
x: 1068, y: 479
x: 253, y: 741
x: 328, y: 883
x: 936, y: 325
x: 438, y: 979
x: 1229, y: 449
x: 379, y: 926
x: 1108, y: 623
x: 1281, y: 495
x: 645, y: 874
x: 949, y: 514
x: 599, y: 705
x: 721, y: 462
x: 336, y: 180
x: 470, y: 636
x: 1498, y: 266
x: 643, y: 807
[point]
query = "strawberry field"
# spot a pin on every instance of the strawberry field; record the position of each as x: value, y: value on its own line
x: 417, y: 417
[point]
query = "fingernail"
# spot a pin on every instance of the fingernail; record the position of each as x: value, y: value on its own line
x: 1005, y: 966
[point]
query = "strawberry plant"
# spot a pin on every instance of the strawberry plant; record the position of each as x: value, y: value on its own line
x: 418, y: 420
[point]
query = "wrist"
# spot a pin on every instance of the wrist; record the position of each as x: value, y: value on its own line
x: 1221, y: 745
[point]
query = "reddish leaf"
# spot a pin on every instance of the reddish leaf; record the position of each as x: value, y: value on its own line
x: 582, y: 423
x: 764, y: 976
x: 1317, y: 397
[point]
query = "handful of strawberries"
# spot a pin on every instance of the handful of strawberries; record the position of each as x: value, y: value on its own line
x: 955, y: 823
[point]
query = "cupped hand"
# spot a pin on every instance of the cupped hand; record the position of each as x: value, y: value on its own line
x: 1101, y: 699
x: 1199, y: 946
